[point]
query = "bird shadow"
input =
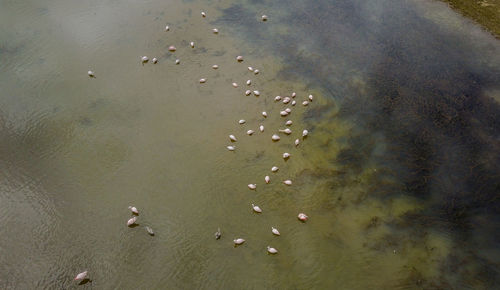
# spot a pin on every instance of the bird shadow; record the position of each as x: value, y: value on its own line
x: 85, y: 281
x: 133, y: 225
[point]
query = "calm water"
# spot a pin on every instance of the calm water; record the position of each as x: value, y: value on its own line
x: 400, y: 174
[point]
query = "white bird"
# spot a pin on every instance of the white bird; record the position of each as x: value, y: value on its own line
x: 275, y: 137
x: 239, y: 58
x: 277, y: 98
x: 284, y: 113
x: 252, y: 186
x: 232, y: 138
x: 81, y: 276
x: 271, y: 250
x: 264, y: 114
x: 274, y: 169
x: 191, y: 44
x: 304, y: 133
x: 218, y: 234
x: 267, y: 179
x: 256, y: 93
x: 231, y: 148
x: 167, y: 28
x: 289, y: 123
x: 250, y: 132
x: 91, y: 74
x: 264, y: 17
x: 305, y: 103
x: 275, y: 231
x: 238, y: 241
x: 297, y: 141
x: 144, y: 59
x: 241, y: 122
x: 293, y: 95
x: 177, y: 61
x: 215, y: 30
x: 202, y: 81
x: 172, y: 48
x: 235, y: 85
x: 286, y: 100
x: 203, y: 14
x: 150, y: 231
x: 155, y: 60
x: 286, y: 131
x: 133, y: 209
x: 250, y: 68
x: 288, y: 110
x: 287, y: 182
x: 248, y: 92
x: 249, y: 82
x: 131, y: 221
x: 294, y: 102
x: 303, y: 217
x: 256, y: 208
x: 310, y: 98
x: 215, y: 66
x: 256, y: 71
x: 261, y: 128
x: 286, y: 155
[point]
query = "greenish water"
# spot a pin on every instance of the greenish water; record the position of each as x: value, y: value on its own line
x: 399, y: 174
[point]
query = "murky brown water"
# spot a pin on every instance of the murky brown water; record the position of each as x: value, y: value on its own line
x: 77, y: 151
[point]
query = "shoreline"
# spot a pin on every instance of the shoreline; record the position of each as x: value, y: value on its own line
x: 486, y: 13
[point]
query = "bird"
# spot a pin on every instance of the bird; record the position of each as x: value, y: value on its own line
x: 267, y: 179
x: 264, y: 114
x: 133, y: 209
x: 91, y: 74
x: 305, y: 103
x: 305, y: 133
x: 271, y: 250
x: 261, y: 128
x: 287, y: 182
x: 274, y: 169
x: 81, y: 276
x: 215, y: 30
x: 288, y: 110
x: 286, y: 131
x: 150, y: 231
x: 289, y: 123
x: 294, y: 94
x: 256, y: 208
x: 238, y: 241
x: 239, y: 58
x: 275, y: 231
x: 177, y: 61
x: 297, y: 141
x: 191, y: 44
x: 310, y: 98
x: 235, y: 85
x: 286, y: 100
x: 131, y: 221
x: 284, y: 113
x: 264, y: 17
x: 203, y: 14
x: 294, y: 102
x: 252, y: 186
x: 249, y: 82
x: 302, y: 217
x: 172, y: 48
x: 232, y: 138
x: 256, y: 93
x: 286, y: 155
x: 218, y: 234
x: 144, y: 59
x: 167, y: 28
x: 250, y: 132
x: 275, y: 137
x: 215, y: 66
x: 155, y: 60
x: 255, y: 71
x: 202, y: 81
x: 277, y: 98
x: 250, y: 68
x: 231, y: 148
x: 248, y: 92
x: 241, y: 122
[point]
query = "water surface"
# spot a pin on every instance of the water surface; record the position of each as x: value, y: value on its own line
x: 399, y: 174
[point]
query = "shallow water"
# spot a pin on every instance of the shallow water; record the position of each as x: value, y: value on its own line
x: 399, y: 174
